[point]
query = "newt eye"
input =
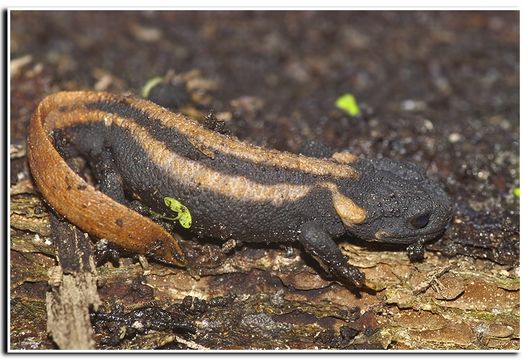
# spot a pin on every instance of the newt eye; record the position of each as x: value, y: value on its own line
x: 420, y: 221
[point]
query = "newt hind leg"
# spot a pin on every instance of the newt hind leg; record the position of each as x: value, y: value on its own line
x: 109, y: 180
x: 111, y: 183
x: 132, y: 231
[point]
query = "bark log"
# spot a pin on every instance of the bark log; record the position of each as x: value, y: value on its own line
x: 73, y: 289
x: 257, y: 298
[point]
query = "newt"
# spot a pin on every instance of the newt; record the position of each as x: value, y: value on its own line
x: 232, y: 189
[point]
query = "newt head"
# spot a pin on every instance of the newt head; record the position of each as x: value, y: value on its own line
x: 401, y: 203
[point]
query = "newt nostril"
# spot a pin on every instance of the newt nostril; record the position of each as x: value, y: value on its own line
x: 420, y: 221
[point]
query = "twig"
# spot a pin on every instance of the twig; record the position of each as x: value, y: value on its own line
x: 424, y: 286
x: 189, y: 343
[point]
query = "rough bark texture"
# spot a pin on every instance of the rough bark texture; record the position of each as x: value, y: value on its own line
x: 262, y: 298
x: 67, y: 308
x: 73, y: 289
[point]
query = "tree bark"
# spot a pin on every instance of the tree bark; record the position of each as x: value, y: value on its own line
x: 255, y: 298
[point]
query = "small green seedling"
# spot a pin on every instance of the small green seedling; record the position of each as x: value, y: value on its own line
x: 517, y: 192
x: 150, y: 84
x: 348, y: 104
x: 183, y: 213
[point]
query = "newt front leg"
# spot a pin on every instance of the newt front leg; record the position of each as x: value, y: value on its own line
x: 321, y: 247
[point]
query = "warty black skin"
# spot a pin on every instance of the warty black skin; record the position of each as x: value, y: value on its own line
x: 402, y: 204
x: 394, y: 193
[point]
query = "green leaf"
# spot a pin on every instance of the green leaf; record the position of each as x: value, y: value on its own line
x: 348, y: 104
x: 185, y: 219
x: 183, y: 214
x: 517, y: 192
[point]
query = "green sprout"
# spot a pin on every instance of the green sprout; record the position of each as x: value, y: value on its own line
x: 150, y: 84
x: 517, y: 192
x: 348, y: 104
x: 183, y: 214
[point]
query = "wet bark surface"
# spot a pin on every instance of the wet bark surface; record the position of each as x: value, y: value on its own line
x: 437, y: 88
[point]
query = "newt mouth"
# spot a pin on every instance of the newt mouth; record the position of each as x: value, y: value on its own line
x: 383, y: 235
